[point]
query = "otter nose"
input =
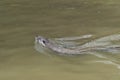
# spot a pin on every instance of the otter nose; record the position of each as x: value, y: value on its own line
x: 37, y: 38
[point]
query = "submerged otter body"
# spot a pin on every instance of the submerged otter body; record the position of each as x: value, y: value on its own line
x: 102, y: 44
x: 47, y: 43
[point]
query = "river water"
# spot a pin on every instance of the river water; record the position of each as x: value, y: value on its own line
x: 22, y: 20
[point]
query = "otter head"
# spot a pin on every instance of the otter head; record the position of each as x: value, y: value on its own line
x: 41, y: 40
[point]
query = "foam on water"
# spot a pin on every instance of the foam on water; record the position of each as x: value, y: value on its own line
x: 107, y: 62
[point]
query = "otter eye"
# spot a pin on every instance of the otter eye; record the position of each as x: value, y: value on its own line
x: 43, y: 41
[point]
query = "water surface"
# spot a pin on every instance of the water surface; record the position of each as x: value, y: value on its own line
x: 21, y: 20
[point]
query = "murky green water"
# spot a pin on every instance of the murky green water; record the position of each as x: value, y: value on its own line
x: 21, y: 20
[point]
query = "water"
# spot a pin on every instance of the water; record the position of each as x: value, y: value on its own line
x: 22, y: 20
